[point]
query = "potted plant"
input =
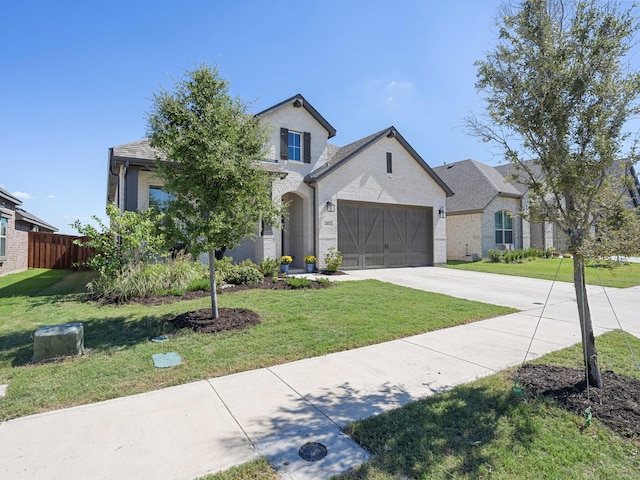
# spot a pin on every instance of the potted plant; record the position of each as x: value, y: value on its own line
x: 310, y: 262
x: 285, y: 261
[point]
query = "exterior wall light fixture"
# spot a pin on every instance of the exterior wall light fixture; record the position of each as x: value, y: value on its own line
x: 442, y: 212
x: 331, y: 207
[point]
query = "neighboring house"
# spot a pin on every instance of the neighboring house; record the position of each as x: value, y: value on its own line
x: 483, y: 213
x: 15, y: 225
x: 375, y: 199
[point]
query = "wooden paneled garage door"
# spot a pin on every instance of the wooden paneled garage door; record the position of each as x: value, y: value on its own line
x: 375, y: 235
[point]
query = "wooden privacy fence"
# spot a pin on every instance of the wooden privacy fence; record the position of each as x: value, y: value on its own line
x: 51, y: 250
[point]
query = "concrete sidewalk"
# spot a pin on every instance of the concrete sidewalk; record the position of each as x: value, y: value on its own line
x: 207, y: 426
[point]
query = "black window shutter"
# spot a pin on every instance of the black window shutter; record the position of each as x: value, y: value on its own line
x: 389, y: 163
x: 284, y: 144
x: 307, y: 147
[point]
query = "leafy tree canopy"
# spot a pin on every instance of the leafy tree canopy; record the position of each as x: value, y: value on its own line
x: 219, y: 193
x: 559, y: 94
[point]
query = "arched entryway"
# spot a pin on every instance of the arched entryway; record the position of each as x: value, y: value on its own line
x: 293, y: 229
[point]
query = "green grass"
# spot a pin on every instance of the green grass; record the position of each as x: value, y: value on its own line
x: 295, y: 324
x: 258, y: 469
x: 620, y: 277
x: 482, y: 430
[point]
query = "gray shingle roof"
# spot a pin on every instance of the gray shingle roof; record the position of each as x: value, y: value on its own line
x: 139, y: 149
x: 9, y: 197
x: 475, y: 185
x: 25, y: 216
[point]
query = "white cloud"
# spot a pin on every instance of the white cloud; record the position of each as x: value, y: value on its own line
x: 394, y: 95
x: 23, y: 195
x: 50, y: 197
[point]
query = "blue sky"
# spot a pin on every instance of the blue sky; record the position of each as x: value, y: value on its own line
x: 77, y: 78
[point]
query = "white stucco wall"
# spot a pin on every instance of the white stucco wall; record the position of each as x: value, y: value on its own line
x: 298, y: 120
x: 364, y: 178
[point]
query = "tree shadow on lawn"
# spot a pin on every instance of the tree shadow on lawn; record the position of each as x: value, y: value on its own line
x: 406, y: 441
x: 450, y: 427
x: 100, y: 335
x: 33, y: 286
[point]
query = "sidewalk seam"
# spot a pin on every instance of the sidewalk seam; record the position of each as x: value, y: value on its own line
x: 253, y: 444
x: 447, y: 354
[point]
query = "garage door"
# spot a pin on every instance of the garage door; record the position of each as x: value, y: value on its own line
x: 377, y: 236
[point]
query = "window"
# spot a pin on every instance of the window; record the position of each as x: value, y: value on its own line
x: 389, y: 163
x: 3, y: 237
x: 294, y: 146
x: 504, y: 227
x: 158, y: 198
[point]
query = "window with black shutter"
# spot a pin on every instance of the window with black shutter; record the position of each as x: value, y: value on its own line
x: 284, y: 144
x: 389, y: 163
x: 307, y: 147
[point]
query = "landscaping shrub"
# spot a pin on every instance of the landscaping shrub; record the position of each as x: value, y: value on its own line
x: 333, y: 259
x: 147, y: 280
x: 222, y: 266
x: 519, y: 255
x: 324, y: 281
x: 202, y: 284
x: 298, y: 282
x: 269, y: 267
x: 243, y: 273
x: 496, y: 256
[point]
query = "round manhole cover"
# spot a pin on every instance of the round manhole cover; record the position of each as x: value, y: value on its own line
x: 312, y: 451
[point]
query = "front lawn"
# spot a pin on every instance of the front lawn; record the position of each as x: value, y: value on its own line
x: 621, y: 277
x: 295, y: 324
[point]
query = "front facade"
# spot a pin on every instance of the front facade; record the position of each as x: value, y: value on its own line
x: 15, y: 225
x: 484, y: 213
x: 374, y: 199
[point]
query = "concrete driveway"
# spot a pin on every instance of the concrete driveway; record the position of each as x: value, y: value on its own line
x: 509, y: 291
x: 611, y: 308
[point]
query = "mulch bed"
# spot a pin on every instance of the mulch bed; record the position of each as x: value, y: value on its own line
x: 616, y: 404
x: 200, y: 321
x: 228, y: 319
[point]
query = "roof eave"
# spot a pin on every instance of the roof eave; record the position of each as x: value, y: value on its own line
x: 299, y: 101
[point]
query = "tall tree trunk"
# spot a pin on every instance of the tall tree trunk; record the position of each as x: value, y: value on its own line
x: 592, y: 370
x: 212, y: 281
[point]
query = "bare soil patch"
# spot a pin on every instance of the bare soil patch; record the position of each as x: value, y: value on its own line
x: 616, y: 404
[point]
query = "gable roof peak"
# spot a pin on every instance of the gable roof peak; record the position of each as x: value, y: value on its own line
x: 298, y: 101
x: 346, y: 153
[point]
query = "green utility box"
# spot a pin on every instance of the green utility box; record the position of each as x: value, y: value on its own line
x: 55, y: 341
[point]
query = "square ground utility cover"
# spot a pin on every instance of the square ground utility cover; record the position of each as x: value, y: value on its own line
x: 166, y: 360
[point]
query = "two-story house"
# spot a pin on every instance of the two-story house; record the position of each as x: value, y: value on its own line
x: 375, y: 199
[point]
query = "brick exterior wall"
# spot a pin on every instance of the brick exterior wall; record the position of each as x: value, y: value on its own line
x: 17, y: 245
x: 464, y: 237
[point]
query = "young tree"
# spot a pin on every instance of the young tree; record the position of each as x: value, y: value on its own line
x: 219, y: 193
x: 559, y: 94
